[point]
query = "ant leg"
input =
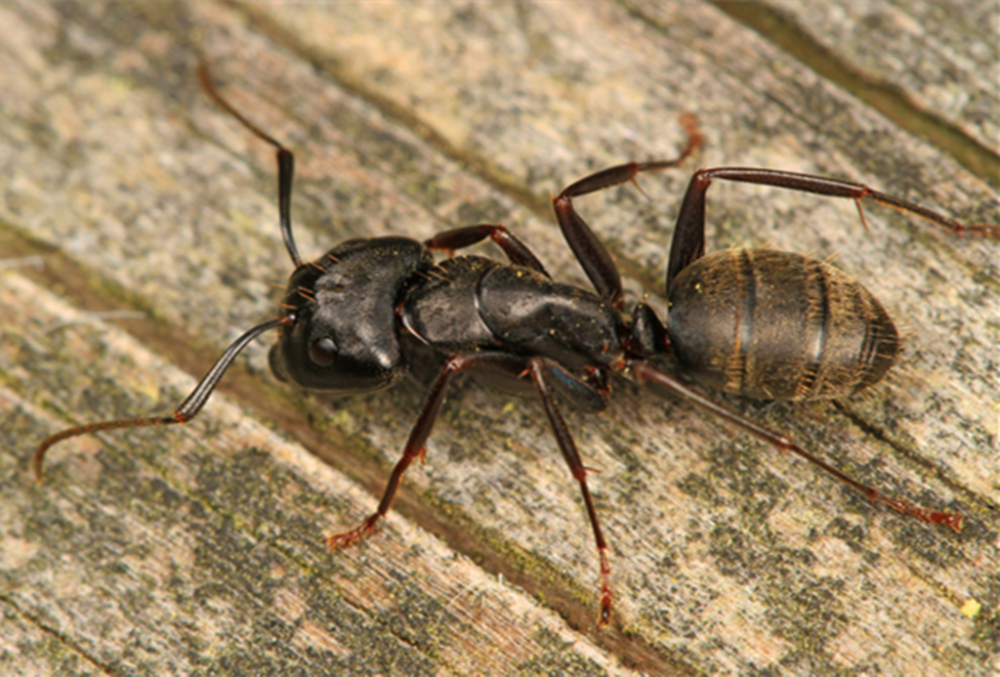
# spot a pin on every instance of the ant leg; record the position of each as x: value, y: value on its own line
x: 572, y: 456
x: 689, y: 236
x: 459, y: 238
x: 590, y: 394
x: 415, y: 445
x: 286, y: 162
x: 589, y: 251
x: 647, y: 375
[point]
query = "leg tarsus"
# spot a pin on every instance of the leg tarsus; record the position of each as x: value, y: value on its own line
x: 647, y: 375
x: 606, y: 592
x: 949, y: 519
x: 348, y: 538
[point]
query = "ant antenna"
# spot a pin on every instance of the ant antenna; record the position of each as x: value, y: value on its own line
x: 286, y: 162
x: 189, y: 408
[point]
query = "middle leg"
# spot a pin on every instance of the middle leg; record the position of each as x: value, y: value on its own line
x: 459, y: 238
x: 590, y: 251
x: 568, y: 448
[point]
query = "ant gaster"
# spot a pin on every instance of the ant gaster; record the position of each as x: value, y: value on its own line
x: 755, y: 322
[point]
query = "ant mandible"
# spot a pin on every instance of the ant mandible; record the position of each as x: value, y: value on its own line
x: 756, y: 322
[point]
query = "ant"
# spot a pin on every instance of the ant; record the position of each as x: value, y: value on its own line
x: 755, y: 322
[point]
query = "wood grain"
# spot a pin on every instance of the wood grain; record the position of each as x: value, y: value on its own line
x: 199, y: 549
x: 945, y: 60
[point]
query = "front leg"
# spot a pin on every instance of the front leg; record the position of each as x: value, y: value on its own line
x: 415, y: 445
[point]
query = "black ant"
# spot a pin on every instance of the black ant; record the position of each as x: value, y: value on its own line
x: 755, y: 322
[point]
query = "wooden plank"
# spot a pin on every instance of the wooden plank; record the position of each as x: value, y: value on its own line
x: 943, y: 57
x: 174, y: 551
x: 169, y: 554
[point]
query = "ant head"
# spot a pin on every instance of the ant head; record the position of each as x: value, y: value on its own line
x: 342, y: 337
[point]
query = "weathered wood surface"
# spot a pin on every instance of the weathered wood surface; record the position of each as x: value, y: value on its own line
x: 199, y: 549
x: 942, y: 56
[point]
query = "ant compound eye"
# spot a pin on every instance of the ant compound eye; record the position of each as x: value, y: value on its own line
x: 323, y: 351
